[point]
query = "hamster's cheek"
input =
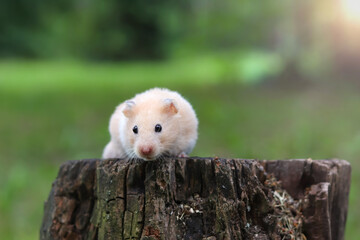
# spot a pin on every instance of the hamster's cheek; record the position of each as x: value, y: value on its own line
x: 162, y: 139
x: 132, y: 140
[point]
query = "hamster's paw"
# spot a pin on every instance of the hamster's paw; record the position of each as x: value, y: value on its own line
x: 183, y: 155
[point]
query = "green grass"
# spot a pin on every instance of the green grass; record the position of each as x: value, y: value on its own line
x: 24, y: 76
x: 51, y: 112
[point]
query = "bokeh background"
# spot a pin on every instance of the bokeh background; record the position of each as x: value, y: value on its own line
x: 268, y: 80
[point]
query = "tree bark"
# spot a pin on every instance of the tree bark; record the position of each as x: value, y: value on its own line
x: 326, y: 184
x: 198, y: 198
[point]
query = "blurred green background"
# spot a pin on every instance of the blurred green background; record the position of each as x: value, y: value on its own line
x: 268, y: 80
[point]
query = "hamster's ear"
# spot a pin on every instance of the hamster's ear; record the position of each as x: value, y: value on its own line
x: 128, y: 109
x: 170, y: 106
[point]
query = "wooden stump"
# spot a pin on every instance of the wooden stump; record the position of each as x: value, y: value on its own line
x: 327, y: 185
x: 197, y: 198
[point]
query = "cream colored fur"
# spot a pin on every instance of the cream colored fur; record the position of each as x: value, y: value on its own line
x: 145, y: 110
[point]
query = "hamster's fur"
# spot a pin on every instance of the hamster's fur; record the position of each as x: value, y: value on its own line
x: 135, y: 124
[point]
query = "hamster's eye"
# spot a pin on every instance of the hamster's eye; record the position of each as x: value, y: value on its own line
x: 158, y: 128
x: 135, y: 129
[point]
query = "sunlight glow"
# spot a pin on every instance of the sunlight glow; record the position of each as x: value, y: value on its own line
x: 352, y: 9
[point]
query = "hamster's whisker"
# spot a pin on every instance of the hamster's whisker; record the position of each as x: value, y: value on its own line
x: 164, y: 155
x: 131, y: 155
x: 133, y: 158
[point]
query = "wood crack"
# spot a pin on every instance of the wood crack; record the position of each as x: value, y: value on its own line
x: 194, y: 198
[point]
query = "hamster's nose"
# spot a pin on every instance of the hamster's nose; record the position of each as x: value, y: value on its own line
x: 146, y: 150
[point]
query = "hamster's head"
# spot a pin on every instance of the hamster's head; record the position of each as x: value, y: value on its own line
x: 151, y: 128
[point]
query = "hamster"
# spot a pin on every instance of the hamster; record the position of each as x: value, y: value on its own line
x: 153, y: 124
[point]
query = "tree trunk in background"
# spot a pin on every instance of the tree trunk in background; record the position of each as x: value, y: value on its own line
x: 194, y: 198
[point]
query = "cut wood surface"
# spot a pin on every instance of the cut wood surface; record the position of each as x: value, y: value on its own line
x: 198, y: 198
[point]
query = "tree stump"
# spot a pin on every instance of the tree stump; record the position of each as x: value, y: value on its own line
x: 198, y: 198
